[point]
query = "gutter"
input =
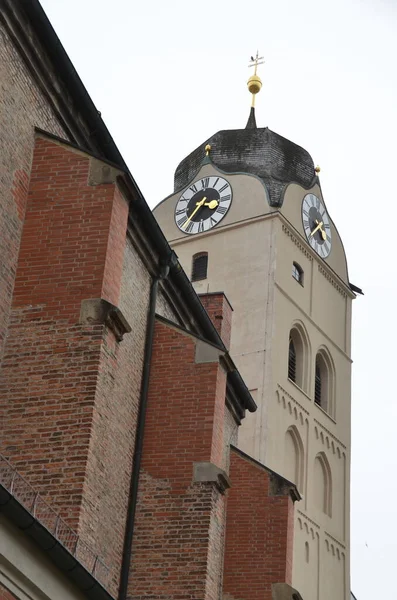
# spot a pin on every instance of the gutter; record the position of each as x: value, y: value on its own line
x: 140, y: 430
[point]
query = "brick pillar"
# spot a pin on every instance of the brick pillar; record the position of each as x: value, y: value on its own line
x: 259, y: 530
x: 220, y: 312
x: 179, y: 527
x: 57, y: 420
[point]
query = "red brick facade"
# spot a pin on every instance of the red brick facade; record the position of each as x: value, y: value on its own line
x: 58, y: 372
x: 75, y: 275
x: 22, y: 107
x: 259, y: 531
x: 181, y: 514
x: 220, y: 312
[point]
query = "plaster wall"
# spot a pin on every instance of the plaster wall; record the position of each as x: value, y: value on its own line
x: 250, y: 257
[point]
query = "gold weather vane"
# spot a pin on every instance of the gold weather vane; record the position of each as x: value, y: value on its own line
x: 254, y: 83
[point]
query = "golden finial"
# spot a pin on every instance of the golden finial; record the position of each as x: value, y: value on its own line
x: 254, y: 83
x: 207, y: 149
x: 317, y: 169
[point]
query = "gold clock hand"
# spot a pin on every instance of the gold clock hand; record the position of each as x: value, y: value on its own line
x: 198, y: 205
x: 319, y: 225
x: 323, y: 234
x: 212, y: 204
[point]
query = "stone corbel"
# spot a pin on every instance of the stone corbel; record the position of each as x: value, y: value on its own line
x: 207, y: 472
x: 283, y: 591
x: 96, y: 311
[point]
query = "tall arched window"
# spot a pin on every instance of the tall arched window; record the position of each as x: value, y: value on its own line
x: 324, y: 384
x: 294, y: 457
x: 200, y: 266
x: 297, y: 272
x: 323, y: 484
x: 292, y: 361
x: 298, y: 356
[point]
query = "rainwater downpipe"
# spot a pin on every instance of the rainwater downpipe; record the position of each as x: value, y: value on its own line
x: 133, y: 495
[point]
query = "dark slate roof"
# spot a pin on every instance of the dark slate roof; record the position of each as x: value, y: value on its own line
x: 258, y: 151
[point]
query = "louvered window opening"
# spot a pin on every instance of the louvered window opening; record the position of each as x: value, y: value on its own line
x: 292, y: 362
x: 317, y: 386
x: 297, y: 273
x: 200, y: 265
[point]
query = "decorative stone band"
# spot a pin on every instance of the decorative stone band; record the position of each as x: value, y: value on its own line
x: 97, y: 311
x: 207, y: 472
x: 297, y: 243
x: 332, y: 281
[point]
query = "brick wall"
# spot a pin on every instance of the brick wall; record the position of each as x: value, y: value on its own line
x: 259, y: 531
x: 70, y: 389
x: 220, y: 312
x: 22, y: 106
x: 178, y: 539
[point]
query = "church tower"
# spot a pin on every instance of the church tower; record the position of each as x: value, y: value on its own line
x: 248, y: 218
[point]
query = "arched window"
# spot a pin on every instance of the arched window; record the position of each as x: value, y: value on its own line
x: 294, y: 457
x: 318, y: 396
x: 298, y: 356
x: 297, y: 273
x: 292, y: 361
x: 324, y: 382
x: 199, y: 266
x: 323, y: 484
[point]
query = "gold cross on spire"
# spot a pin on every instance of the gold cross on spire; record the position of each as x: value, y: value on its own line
x: 258, y: 60
x: 254, y: 82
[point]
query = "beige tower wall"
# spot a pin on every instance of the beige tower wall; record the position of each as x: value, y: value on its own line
x: 250, y: 258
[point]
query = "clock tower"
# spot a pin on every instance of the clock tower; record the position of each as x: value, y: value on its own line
x: 248, y: 218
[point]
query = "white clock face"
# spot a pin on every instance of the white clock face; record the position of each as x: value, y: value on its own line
x: 316, y: 225
x: 203, y: 205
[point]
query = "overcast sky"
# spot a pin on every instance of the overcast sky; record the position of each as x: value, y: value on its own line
x: 167, y: 75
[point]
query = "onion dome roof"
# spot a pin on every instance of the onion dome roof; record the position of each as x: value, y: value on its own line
x: 257, y: 151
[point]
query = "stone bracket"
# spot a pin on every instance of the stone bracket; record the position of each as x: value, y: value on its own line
x: 283, y: 591
x: 207, y: 472
x: 96, y: 311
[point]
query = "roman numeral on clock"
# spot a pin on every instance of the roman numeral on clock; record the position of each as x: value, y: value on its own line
x: 221, y: 209
x: 200, y: 226
x: 189, y: 227
x: 225, y: 198
x: 223, y: 188
x: 180, y: 211
x: 181, y: 222
x: 205, y: 182
x: 193, y: 188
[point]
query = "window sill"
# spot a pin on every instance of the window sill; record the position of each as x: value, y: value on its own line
x: 302, y: 391
x: 311, y: 400
x: 325, y: 412
x: 297, y: 281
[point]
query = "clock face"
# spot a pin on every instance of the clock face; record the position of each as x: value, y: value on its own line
x: 316, y: 225
x: 203, y: 205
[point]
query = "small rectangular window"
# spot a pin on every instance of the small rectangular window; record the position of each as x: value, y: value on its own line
x: 297, y: 273
x: 199, y: 267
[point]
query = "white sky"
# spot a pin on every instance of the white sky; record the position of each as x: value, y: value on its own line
x: 167, y: 75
